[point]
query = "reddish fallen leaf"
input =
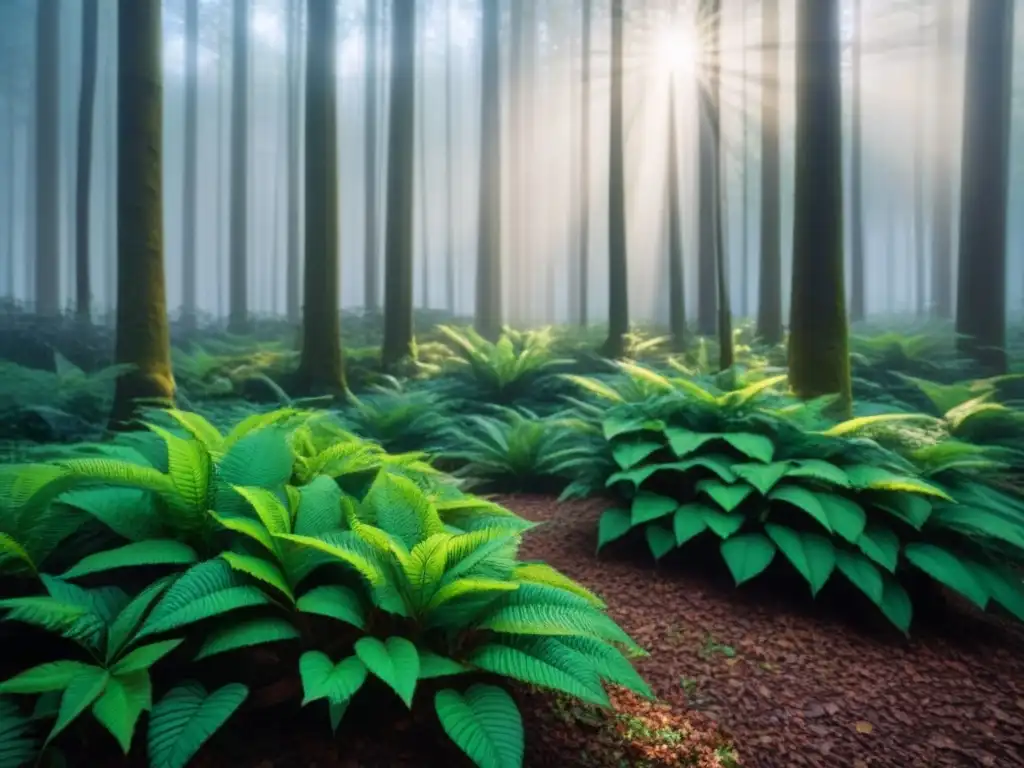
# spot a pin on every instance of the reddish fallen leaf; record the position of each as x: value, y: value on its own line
x: 862, y: 726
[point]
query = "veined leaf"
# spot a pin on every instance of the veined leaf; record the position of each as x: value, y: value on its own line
x: 628, y: 454
x: 762, y: 476
x: 124, y: 698
x: 689, y: 521
x: 862, y: 573
x: 846, y: 517
x: 323, y: 679
x: 803, y: 499
x: 259, y: 631
x: 648, y: 506
x: 484, y: 723
x: 812, y: 555
x: 45, y: 678
x: 260, y: 569
x: 395, y: 661
x: 881, y: 545
x: 947, y: 569
x: 728, y: 497
x: 334, y: 601
x: 144, y: 657
x: 183, y: 720
x: 140, y: 553
x: 82, y: 690
x: 820, y: 470
x: 614, y: 524
x: 660, y: 540
x: 747, y: 555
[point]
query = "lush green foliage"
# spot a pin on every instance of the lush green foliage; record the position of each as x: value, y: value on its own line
x: 697, y: 465
x: 370, y: 571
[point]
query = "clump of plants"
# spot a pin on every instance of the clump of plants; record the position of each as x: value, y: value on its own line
x: 368, y: 573
x: 696, y: 465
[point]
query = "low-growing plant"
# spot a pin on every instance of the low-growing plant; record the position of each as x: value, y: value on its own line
x: 829, y: 501
x: 363, y: 572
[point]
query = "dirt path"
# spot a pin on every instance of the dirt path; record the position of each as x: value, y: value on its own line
x: 799, y: 684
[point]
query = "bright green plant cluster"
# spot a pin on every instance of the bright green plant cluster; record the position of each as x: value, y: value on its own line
x: 717, y: 467
x: 364, y: 570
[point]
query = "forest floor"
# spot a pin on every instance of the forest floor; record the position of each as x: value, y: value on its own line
x: 788, y: 683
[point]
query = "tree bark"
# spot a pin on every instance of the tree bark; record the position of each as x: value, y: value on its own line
x: 618, y: 278
x: 142, y: 333
x: 488, y: 269
x: 398, y: 254
x: 819, y: 361
x: 47, y: 157
x: 83, y: 177
x: 981, y: 285
x: 769, y: 293
x: 238, y: 272
x: 321, y: 369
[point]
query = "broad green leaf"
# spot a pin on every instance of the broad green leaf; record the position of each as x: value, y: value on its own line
x: 722, y: 524
x: 820, y: 470
x: 750, y: 445
x: 124, y: 626
x: 648, y: 506
x: 614, y: 524
x: 334, y: 601
x: 974, y: 521
x: 614, y: 426
x: 44, y: 678
x: 433, y: 665
x: 689, y: 521
x: 268, y: 507
x: 660, y: 540
x: 846, y: 517
x: 485, y: 723
x: 144, y: 657
x: 762, y: 476
x: 728, y: 497
x: 139, y: 553
x: 628, y: 454
x: 947, y: 569
x: 259, y: 631
x: 395, y: 661
x: 881, y: 545
x: 123, y: 700
x: 862, y: 573
x: 18, y: 744
x: 812, y: 555
x: 82, y: 690
x: 868, y: 477
x: 183, y: 720
x: 683, y: 442
x: 260, y: 569
x: 323, y: 679
x: 1002, y: 584
x: 896, y: 604
x: 10, y: 548
x: 912, y: 509
x: 801, y: 498
x: 747, y: 555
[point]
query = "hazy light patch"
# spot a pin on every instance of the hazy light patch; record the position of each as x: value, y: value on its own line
x: 267, y: 28
x: 676, y: 50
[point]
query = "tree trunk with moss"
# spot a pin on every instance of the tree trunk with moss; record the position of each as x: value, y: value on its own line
x: 487, y: 317
x: 398, y: 247
x: 819, y: 360
x: 238, y: 266
x: 857, y: 287
x: 981, y: 286
x: 83, y: 177
x: 711, y: 117
x: 47, y: 158
x: 188, y: 203
x: 142, y: 332
x: 769, y: 290
x: 618, y: 278
x: 320, y: 366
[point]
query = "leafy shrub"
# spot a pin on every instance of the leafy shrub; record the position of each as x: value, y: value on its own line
x: 501, y: 371
x: 517, y: 450
x: 696, y: 468
x: 397, y: 418
x: 365, y: 570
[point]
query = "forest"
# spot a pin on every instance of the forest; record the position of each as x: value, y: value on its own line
x: 592, y: 383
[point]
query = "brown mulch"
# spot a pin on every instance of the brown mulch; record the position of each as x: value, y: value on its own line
x: 801, y: 682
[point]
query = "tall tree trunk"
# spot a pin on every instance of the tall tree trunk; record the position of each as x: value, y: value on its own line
x: 676, y: 274
x: 769, y: 292
x: 707, y: 261
x: 981, y: 286
x: 819, y: 360
x: 526, y: 266
x: 711, y: 132
x: 321, y: 370
x: 449, y: 165
x: 188, y: 203
x: 371, y: 254
x: 421, y: 136
x: 47, y: 147
x: 857, y: 287
x: 487, y: 316
x: 238, y: 273
x: 618, y: 282
x: 583, y: 259
x: 398, y: 247
x: 294, y: 80
x: 142, y: 333
x: 919, y: 138
x: 83, y: 177
x: 745, y: 182
x: 942, y: 243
